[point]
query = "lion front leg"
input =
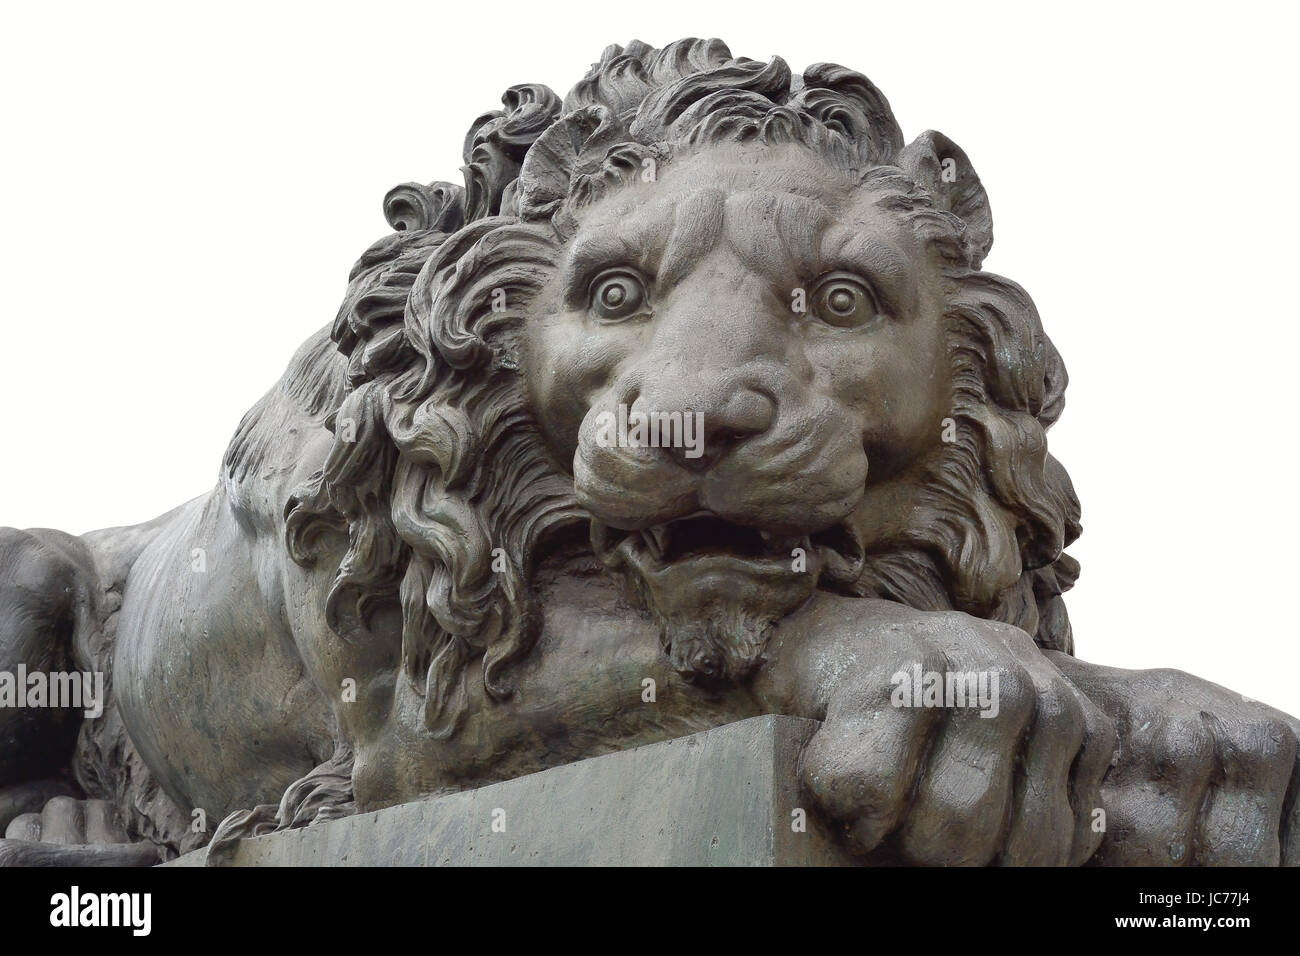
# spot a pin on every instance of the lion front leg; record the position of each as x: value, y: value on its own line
x: 1007, y: 771
x: 1201, y: 776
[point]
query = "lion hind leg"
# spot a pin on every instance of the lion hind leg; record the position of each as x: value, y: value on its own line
x: 46, y: 591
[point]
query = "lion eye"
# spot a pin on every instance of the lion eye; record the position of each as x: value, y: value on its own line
x: 844, y: 301
x: 617, y: 294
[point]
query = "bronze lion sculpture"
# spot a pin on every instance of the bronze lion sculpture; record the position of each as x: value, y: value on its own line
x: 446, y: 550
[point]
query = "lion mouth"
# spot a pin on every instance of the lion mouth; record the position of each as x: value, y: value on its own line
x: 704, y: 539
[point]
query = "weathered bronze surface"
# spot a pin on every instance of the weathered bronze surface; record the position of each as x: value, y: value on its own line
x: 692, y: 405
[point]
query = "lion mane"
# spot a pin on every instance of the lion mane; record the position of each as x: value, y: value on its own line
x: 439, y: 477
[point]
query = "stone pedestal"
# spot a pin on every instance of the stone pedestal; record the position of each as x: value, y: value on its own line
x: 726, y: 797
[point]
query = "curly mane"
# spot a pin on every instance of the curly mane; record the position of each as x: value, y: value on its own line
x: 439, y: 476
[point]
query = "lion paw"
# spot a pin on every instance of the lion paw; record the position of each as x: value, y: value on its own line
x: 1201, y: 775
x: 71, y: 832
x: 1016, y: 782
x: 66, y: 820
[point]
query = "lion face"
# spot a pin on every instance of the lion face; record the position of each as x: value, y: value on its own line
x: 791, y: 326
x: 850, y: 400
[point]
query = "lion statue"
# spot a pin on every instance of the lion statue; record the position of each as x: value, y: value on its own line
x: 696, y: 379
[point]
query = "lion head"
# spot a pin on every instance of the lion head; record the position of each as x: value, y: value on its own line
x: 713, y: 238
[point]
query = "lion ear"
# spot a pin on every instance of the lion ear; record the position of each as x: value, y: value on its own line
x: 938, y: 164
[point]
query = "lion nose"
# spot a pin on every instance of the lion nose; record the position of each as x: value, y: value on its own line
x: 720, y: 426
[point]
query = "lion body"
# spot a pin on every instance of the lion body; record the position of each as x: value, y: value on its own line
x: 191, y: 627
x: 181, y: 642
x: 193, y: 604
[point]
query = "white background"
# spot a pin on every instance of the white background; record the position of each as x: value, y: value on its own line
x: 182, y: 195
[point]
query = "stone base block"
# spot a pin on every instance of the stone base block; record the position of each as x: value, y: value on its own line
x: 726, y: 797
